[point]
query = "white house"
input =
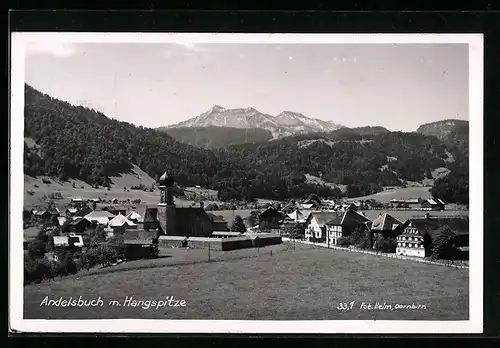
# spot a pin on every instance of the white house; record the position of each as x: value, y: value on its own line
x: 64, y: 241
x: 100, y: 216
x: 316, y: 224
x: 410, y: 242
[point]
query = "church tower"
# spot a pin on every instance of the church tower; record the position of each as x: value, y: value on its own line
x: 166, y: 207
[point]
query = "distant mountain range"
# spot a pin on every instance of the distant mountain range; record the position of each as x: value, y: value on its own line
x: 67, y: 141
x: 284, y: 124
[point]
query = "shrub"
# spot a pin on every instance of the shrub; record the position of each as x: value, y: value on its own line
x: 46, y: 181
x: 37, y: 248
x: 386, y: 245
x: 36, y: 270
x: 344, y: 241
x: 117, y: 243
x: 31, y: 193
x: 360, y: 238
x: 35, y: 185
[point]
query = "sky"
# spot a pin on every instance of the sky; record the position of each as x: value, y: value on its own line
x: 397, y: 86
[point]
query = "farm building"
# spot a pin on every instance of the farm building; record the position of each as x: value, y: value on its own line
x: 120, y: 223
x: 225, y: 234
x: 82, y: 212
x: 139, y: 244
x: 134, y: 217
x: 218, y: 222
x: 42, y: 215
x: 172, y: 241
x: 343, y: 224
x: 78, y: 202
x: 417, y: 236
x: 102, y: 217
x: 70, y: 211
x: 115, y: 211
x: 386, y: 225
x: 78, y: 225
x: 289, y: 207
x: 271, y: 218
x: 306, y: 206
x: 433, y: 204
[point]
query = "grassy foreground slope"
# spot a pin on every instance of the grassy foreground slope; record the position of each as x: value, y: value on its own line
x: 301, y: 284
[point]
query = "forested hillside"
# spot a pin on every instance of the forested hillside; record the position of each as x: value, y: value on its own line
x: 364, y: 163
x: 82, y: 143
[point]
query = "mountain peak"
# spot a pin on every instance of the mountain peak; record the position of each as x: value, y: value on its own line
x: 284, y: 124
x: 218, y: 108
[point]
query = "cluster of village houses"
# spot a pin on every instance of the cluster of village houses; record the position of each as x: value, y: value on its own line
x: 320, y: 221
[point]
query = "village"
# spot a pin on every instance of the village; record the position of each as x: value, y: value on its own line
x: 85, y: 236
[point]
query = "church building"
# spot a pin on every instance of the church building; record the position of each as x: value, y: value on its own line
x: 178, y: 221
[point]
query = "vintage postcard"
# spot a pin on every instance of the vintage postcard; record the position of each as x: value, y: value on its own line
x: 246, y: 183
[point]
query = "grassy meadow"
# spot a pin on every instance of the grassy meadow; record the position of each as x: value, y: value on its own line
x: 301, y: 283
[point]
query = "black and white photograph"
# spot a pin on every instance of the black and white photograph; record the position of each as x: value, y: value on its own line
x: 260, y: 183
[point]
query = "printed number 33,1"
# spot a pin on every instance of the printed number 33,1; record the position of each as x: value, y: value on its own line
x: 345, y: 306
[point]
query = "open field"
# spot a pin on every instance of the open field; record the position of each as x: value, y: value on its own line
x: 135, y: 177
x: 399, y: 193
x: 403, y: 215
x: 302, y: 283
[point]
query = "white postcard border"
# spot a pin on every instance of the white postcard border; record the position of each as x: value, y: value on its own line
x: 19, y: 324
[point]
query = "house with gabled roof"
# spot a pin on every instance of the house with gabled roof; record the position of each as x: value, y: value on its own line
x: 342, y: 224
x: 387, y: 225
x: 139, y: 244
x: 134, y: 217
x: 102, y: 217
x: 298, y: 216
x: 42, y: 215
x: 316, y: 224
x: 432, y: 204
x: 120, y: 223
x: 271, y: 218
x: 78, y: 225
x: 70, y: 211
x: 218, y: 222
x: 82, y: 212
x: 418, y: 234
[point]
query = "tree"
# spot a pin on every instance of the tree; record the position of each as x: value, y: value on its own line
x: 253, y: 219
x: 238, y: 225
x: 386, y: 245
x: 360, y: 238
x: 54, y: 221
x: 37, y: 248
x: 453, y: 188
x: 293, y: 231
x: 444, y: 243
